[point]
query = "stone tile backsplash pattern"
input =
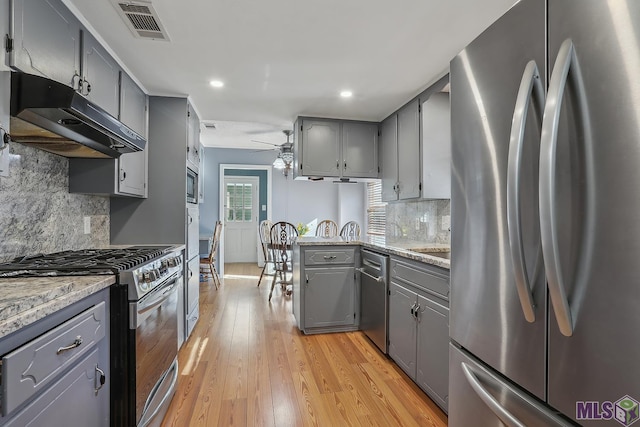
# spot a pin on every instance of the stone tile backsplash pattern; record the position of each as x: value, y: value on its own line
x: 419, y: 222
x: 37, y: 213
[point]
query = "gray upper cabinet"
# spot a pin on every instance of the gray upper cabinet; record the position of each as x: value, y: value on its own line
x: 133, y: 105
x: 400, y: 154
x: 133, y: 113
x: 127, y: 175
x: 336, y: 148
x: 320, y: 148
x: 360, y: 150
x: 46, y: 41
x: 389, y: 158
x: 100, y: 75
x: 193, y: 139
x: 436, y: 147
x: 409, y: 151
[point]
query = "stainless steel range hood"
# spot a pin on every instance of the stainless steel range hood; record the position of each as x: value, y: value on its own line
x: 54, y: 117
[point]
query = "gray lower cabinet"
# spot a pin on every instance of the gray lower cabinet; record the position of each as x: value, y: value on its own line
x: 329, y: 295
x: 56, y: 371
x: 326, y: 288
x: 419, y: 325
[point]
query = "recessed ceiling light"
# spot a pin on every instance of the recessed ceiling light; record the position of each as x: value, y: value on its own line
x: 216, y: 83
x: 346, y: 94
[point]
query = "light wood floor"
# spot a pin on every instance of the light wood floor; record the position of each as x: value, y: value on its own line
x: 246, y: 364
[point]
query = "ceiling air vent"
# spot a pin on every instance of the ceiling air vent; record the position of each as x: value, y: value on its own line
x: 142, y: 19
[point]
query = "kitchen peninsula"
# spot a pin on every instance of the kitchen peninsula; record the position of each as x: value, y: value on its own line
x: 328, y: 297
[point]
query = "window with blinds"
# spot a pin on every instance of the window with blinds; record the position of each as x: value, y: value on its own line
x: 376, y: 212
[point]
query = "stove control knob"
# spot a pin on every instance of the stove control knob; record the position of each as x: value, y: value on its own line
x: 155, y: 274
x: 173, y: 262
x: 146, y: 277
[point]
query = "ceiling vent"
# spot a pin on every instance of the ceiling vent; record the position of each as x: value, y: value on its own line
x: 141, y: 18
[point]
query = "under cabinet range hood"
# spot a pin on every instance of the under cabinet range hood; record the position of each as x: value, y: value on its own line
x: 55, y: 118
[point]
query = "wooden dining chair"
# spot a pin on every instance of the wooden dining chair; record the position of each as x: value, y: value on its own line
x: 263, y: 231
x: 213, y: 253
x: 351, y: 230
x: 281, y: 239
x: 327, y: 228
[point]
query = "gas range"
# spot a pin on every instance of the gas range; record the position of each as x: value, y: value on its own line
x: 141, y: 268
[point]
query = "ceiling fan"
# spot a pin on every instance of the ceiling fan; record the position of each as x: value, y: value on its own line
x: 284, y: 160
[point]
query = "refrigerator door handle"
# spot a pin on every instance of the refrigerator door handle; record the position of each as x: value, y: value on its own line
x: 505, y: 416
x: 566, y: 62
x: 530, y: 87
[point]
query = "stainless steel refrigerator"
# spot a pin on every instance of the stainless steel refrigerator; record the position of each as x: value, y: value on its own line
x: 545, y: 268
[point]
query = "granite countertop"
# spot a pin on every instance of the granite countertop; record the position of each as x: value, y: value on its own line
x: 398, y: 249
x: 28, y: 299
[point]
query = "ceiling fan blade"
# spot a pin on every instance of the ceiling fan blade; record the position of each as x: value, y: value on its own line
x: 268, y: 143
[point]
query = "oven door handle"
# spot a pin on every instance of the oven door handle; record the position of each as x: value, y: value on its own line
x: 158, y: 301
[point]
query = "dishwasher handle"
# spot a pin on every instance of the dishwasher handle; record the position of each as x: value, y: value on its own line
x: 378, y: 279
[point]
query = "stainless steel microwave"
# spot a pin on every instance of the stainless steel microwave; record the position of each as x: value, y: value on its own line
x: 192, y: 186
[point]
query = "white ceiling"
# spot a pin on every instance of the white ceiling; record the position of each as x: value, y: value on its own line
x: 284, y: 58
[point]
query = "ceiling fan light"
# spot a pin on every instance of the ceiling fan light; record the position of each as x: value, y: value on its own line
x: 287, y: 157
x: 278, y: 163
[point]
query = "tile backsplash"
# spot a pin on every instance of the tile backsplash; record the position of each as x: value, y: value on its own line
x: 37, y: 213
x: 420, y: 222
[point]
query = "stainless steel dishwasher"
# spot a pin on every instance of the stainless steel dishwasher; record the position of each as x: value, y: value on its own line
x: 374, y: 285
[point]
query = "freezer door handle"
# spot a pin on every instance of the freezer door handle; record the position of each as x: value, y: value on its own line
x: 566, y: 62
x: 505, y: 416
x: 530, y: 87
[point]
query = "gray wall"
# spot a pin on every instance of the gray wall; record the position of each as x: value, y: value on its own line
x: 293, y: 201
x: 37, y: 213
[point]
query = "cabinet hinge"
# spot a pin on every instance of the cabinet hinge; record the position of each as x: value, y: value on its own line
x: 389, y: 292
x: 354, y: 315
x: 8, y: 43
x: 420, y: 186
x: 188, y: 113
x: 300, y: 128
x: 419, y: 108
x: 378, y: 169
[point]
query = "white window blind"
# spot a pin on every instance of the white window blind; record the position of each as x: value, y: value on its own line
x: 376, y: 212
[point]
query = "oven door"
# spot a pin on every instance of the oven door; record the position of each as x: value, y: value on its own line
x: 155, y: 321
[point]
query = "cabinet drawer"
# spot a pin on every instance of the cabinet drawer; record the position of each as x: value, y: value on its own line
x: 31, y: 367
x: 421, y: 277
x: 329, y: 256
x: 72, y: 400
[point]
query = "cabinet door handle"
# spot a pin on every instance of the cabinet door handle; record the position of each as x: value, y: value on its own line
x: 76, y: 343
x: 100, y: 379
x: 345, y: 165
x: 413, y: 307
x: 76, y: 86
x: 416, y: 311
x: 306, y: 277
x: 337, y: 164
x: 123, y: 175
x: 329, y: 257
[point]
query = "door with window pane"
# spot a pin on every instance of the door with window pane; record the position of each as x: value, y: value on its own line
x: 241, y: 219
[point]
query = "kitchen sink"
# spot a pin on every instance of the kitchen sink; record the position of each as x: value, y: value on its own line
x: 430, y: 251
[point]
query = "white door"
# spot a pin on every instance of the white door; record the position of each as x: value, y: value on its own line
x: 241, y: 218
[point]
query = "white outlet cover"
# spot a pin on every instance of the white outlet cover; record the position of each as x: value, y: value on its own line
x: 87, y: 224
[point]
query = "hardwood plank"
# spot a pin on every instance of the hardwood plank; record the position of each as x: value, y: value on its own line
x: 246, y: 363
